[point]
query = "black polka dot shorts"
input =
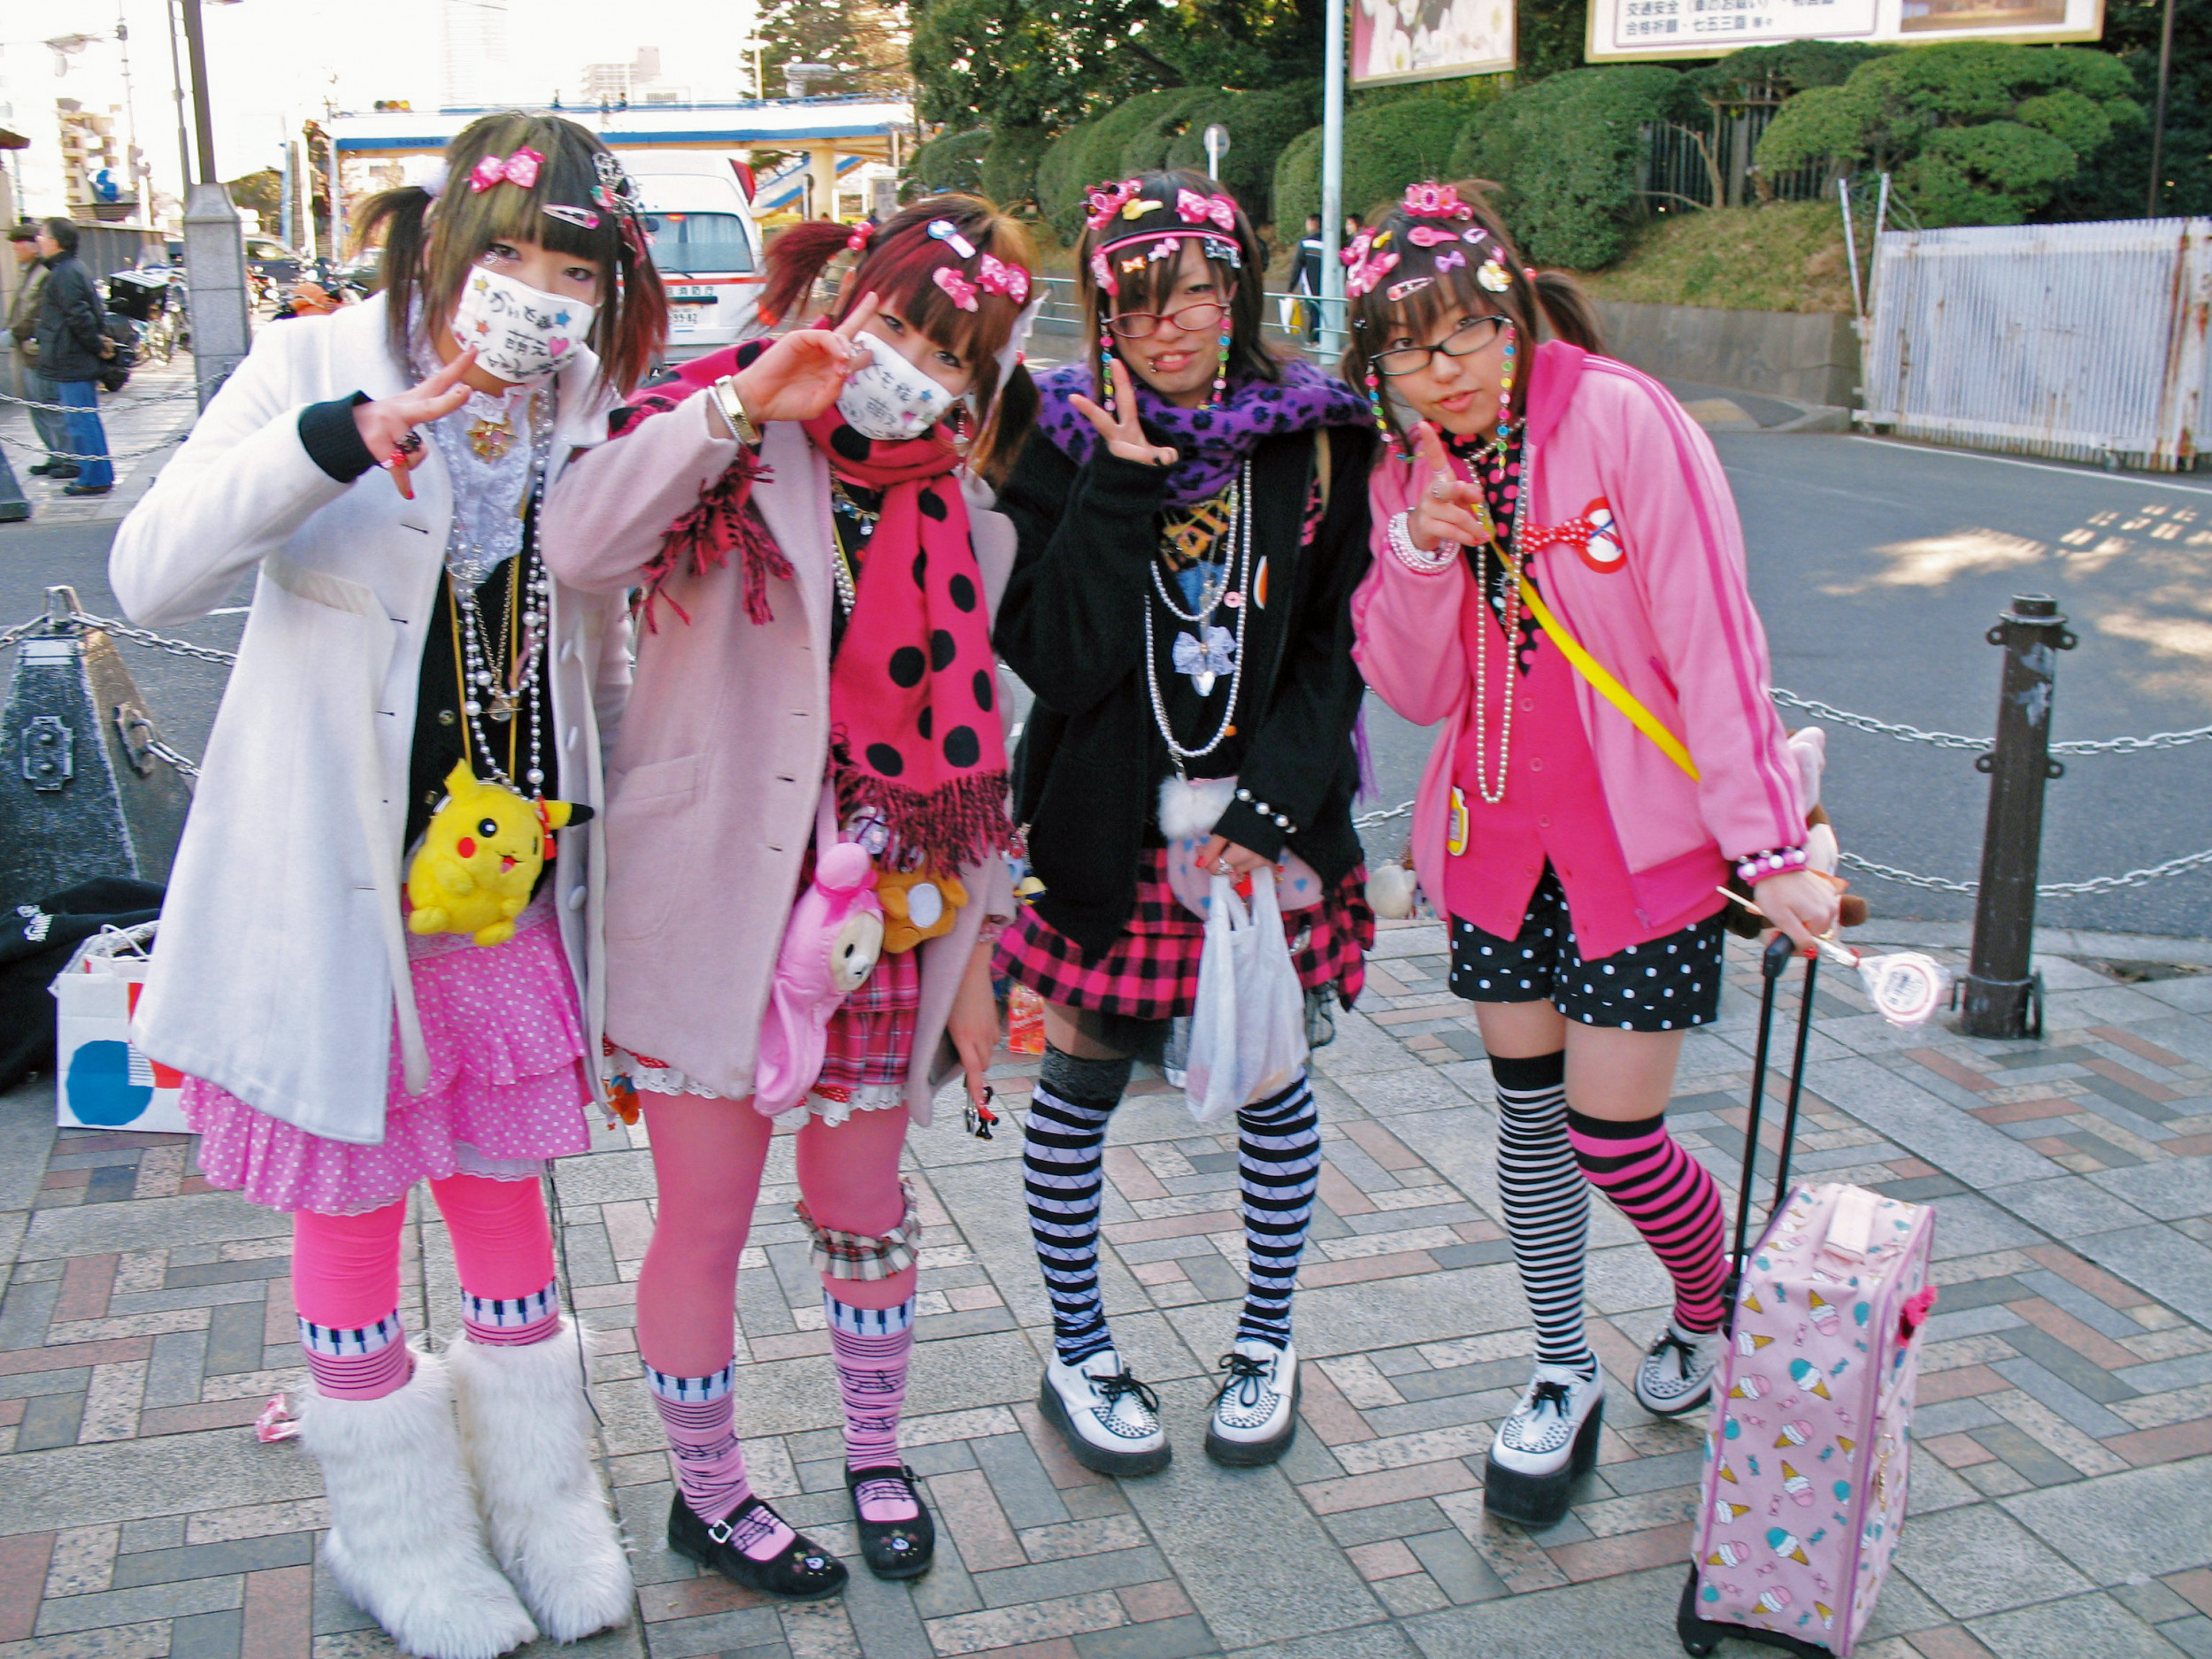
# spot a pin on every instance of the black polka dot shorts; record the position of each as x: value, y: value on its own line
x: 1666, y: 984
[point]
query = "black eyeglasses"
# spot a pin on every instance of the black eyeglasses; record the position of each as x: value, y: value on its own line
x: 1192, y: 319
x: 1464, y: 342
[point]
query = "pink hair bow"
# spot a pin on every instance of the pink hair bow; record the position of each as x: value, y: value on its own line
x: 520, y: 168
x: 1107, y: 200
x: 994, y: 276
x: 1435, y: 201
x: 1365, y: 275
x: 1199, y: 210
x: 962, y: 290
x: 1102, y: 272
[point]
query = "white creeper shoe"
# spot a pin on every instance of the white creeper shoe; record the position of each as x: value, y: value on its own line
x: 1109, y: 1420
x: 1676, y: 1374
x: 1549, y: 1443
x: 1256, y: 1411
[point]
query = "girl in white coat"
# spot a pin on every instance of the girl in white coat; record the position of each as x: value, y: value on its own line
x: 412, y: 684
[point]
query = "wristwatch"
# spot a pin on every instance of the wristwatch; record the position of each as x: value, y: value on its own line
x: 732, y: 408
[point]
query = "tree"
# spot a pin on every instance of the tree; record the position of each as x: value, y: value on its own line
x: 864, y: 42
x: 2111, y: 184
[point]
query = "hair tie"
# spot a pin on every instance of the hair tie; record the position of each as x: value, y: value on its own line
x: 427, y: 173
x: 862, y: 234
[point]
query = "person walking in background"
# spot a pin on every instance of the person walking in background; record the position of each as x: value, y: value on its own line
x: 35, y: 388
x: 1305, y: 278
x: 72, y: 344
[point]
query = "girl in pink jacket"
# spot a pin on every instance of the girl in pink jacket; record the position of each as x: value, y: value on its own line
x: 1559, y: 580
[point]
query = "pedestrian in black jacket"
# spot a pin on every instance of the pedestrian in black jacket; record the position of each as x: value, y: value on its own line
x: 72, y: 344
x: 1192, y: 519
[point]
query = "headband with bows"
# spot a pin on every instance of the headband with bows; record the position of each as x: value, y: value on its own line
x: 1122, y: 213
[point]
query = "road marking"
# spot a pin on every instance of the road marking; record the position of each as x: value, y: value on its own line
x: 2095, y: 475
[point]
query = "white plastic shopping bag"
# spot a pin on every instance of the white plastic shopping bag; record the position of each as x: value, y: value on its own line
x: 1248, y: 1035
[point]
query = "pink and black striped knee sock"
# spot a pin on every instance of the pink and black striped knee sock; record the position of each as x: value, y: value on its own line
x: 709, y: 1464
x: 512, y: 1321
x: 357, y: 1362
x: 1669, y: 1197
x: 869, y: 1347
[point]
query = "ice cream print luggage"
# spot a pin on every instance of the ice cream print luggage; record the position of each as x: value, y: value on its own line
x: 1807, y: 1458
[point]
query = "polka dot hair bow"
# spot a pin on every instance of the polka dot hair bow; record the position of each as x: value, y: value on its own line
x: 520, y: 168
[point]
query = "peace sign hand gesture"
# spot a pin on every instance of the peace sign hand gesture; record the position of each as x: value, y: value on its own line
x: 1123, y: 432
x: 385, y: 423
x: 1440, y: 511
x: 801, y: 373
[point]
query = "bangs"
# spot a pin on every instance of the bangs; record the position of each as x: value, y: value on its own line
x: 900, y: 270
x: 1447, y: 298
x: 472, y: 219
x: 1153, y: 289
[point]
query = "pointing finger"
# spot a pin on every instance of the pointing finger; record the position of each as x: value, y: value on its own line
x: 860, y: 317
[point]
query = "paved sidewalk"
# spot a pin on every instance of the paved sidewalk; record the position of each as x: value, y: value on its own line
x: 145, y: 423
x: 2063, y: 1503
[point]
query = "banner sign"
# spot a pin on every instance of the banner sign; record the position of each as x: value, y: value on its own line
x: 1624, y: 30
x: 1429, y: 40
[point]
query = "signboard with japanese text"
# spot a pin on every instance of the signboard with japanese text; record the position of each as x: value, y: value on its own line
x: 1625, y: 30
x: 1429, y: 40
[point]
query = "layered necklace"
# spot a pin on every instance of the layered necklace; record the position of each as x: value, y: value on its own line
x: 1206, y: 650
x: 864, y: 521
x: 1504, y: 482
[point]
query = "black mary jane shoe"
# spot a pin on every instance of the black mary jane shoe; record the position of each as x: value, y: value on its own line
x: 894, y: 1549
x: 805, y: 1572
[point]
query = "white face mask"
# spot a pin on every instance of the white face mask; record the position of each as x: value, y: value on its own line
x: 890, y: 398
x: 521, y: 333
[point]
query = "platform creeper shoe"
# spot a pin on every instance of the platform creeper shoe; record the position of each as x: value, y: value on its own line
x: 1676, y: 1373
x: 1549, y: 1443
x: 1256, y: 1410
x: 1109, y: 1420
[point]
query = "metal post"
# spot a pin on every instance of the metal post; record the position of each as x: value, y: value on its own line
x: 215, y: 274
x: 203, y: 118
x: 2158, y: 119
x: 1333, y: 188
x: 176, y: 84
x: 2000, y: 988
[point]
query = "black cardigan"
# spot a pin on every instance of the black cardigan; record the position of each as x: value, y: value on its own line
x: 1072, y: 625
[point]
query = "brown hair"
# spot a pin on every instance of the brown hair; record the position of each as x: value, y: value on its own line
x: 430, y: 243
x: 898, y: 265
x: 1152, y: 287
x: 1529, y: 296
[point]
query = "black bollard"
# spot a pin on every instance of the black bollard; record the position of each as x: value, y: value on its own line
x: 2000, y: 996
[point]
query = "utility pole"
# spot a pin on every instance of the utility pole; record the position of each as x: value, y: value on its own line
x: 203, y: 119
x: 176, y: 83
x: 1333, y: 188
x: 2158, y: 119
x: 214, y: 244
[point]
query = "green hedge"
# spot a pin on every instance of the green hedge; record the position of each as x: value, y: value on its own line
x: 1387, y: 147
x: 1167, y: 128
x: 951, y: 161
x: 1010, y: 165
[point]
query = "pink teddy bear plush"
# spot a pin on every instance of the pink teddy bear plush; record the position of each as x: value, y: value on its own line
x: 830, y: 947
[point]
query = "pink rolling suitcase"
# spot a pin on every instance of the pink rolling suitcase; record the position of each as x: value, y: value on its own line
x: 1807, y: 1459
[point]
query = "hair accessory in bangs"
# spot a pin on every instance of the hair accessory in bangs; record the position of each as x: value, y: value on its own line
x: 616, y: 194
x: 1103, y: 273
x: 1494, y: 276
x: 1107, y: 200
x: 1197, y: 210
x: 1435, y: 201
x: 1225, y: 251
x: 994, y: 276
x: 582, y: 218
x: 520, y: 168
x: 1450, y: 259
x: 1398, y: 291
x: 959, y: 288
x: 1368, y: 267
x: 862, y: 234
x: 945, y: 231
x: 1429, y: 236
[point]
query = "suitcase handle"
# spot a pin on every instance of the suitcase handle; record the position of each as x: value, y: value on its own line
x: 1772, y: 961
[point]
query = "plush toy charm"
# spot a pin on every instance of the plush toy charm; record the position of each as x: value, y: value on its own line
x: 830, y: 947
x: 480, y: 857
x: 918, y: 905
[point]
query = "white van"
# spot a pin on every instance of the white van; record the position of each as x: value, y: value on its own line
x: 705, y: 243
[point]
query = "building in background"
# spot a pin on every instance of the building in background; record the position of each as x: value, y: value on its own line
x: 478, y: 68
x: 94, y: 177
x: 617, y: 86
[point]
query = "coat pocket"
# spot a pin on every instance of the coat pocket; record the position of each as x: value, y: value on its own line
x: 650, y: 851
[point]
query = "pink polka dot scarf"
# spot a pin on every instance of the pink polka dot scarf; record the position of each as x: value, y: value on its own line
x: 914, y: 724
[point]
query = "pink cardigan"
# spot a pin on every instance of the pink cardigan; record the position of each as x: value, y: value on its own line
x: 1672, y: 619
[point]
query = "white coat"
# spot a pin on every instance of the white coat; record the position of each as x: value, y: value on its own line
x: 281, y: 965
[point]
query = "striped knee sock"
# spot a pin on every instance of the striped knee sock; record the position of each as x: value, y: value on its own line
x: 709, y: 1464
x: 1063, y: 1150
x: 1546, y: 1203
x: 1279, y: 1162
x: 512, y: 1321
x: 870, y: 1347
x: 1669, y: 1197
x: 360, y: 1362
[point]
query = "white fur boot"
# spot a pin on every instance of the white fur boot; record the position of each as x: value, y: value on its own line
x: 527, y: 1428
x: 404, y: 1541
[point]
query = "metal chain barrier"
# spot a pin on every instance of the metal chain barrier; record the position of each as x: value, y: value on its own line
x: 136, y: 402
x: 2045, y: 890
x: 84, y: 621
x: 1980, y: 745
x: 1366, y: 819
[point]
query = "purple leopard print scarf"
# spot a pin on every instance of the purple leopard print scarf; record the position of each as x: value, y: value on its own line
x: 1211, y: 441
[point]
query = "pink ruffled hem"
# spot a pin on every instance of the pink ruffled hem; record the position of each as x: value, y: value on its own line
x: 508, y: 1087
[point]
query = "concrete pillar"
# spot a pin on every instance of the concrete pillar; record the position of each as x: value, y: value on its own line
x: 215, y: 274
x: 822, y: 170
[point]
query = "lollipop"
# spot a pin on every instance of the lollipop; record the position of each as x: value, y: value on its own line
x: 1906, y: 986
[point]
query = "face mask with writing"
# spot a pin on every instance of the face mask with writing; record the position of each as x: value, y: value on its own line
x: 888, y: 397
x: 521, y: 333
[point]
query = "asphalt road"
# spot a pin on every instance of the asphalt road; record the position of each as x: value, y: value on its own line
x: 1877, y: 567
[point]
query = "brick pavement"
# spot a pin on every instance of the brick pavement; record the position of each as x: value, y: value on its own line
x: 2063, y: 1505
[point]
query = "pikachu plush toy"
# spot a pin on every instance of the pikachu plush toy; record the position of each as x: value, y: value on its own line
x: 480, y: 857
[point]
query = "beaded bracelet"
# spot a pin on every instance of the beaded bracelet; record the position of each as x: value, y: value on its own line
x: 1759, y: 866
x: 1431, y: 563
x: 1261, y: 807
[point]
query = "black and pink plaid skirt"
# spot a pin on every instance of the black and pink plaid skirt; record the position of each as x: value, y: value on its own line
x: 1151, y: 971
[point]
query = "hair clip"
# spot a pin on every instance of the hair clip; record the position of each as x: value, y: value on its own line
x: 1198, y: 210
x: 1136, y: 262
x: 520, y: 168
x: 1398, y: 291
x: 1163, y: 249
x: 1474, y: 235
x: 1220, y: 247
x: 1139, y: 208
x: 862, y: 233
x: 1429, y: 236
x: 994, y: 276
x: 943, y: 230
x: 1106, y: 200
x: 1357, y: 251
x: 582, y: 218
x: 962, y: 290
x: 1103, y: 273
x: 1494, y: 276
x: 1435, y: 201
x: 1363, y: 276
x: 1450, y: 259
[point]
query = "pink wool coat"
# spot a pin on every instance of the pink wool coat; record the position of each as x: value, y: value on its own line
x: 1670, y: 617
x: 712, y: 785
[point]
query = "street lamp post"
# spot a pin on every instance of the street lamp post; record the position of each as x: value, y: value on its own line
x: 214, y: 244
x: 1332, y: 189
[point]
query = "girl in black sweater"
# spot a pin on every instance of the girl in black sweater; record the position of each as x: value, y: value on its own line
x: 1180, y: 608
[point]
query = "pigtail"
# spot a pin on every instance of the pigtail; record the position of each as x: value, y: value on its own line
x: 1567, y: 308
x: 797, y: 258
x: 398, y: 221
x: 1012, y: 412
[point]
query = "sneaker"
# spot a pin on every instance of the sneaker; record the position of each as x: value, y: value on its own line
x: 1109, y: 1420
x: 1256, y: 1411
x: 1676, y: 1373
x: 1549, y: 1443
x: 86, y: 489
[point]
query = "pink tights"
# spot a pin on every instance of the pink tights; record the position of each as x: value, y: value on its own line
x: 708, y: 1155
x: 345, y: 1280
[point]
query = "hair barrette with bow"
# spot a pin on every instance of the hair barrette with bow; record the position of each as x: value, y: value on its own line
x: 520, y: 168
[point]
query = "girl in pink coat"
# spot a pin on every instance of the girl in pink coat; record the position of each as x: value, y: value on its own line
x: 1559, y: 580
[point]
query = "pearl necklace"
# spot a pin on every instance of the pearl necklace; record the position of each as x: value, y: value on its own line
x: 865, y: 523
x: 1239, y: 564
x: 1210, y: 592
x: 1514, y: 562
x: 520, y: 689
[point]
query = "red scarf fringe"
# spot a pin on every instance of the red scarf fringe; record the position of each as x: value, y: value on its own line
x: 723, y: 520
x: 962, y: 821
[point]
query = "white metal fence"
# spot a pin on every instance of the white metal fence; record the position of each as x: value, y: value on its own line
x: 2082, y: 341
